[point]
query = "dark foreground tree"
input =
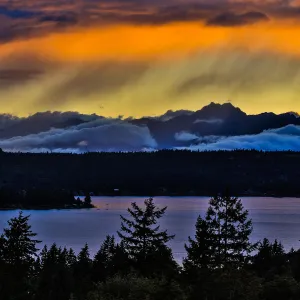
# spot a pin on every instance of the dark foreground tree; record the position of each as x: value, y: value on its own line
x: 111, y: 259
x: 83, y: 274
x: 55, y: 280
x: 222, y: 238
x: 133, y: 287
x: 18, y: 248
x: 281, y: 287
x: 143, y: 240
x: 87, y: 200
x: 200, y: 250
x: 270, y: 260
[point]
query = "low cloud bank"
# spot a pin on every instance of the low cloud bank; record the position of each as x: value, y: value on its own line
x: 209, y: 121
x: 98, y: 135
x: 184, y: 136
x: 281, y: 139
x: 103, y: 134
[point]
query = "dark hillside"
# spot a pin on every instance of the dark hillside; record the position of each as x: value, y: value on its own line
x: 157, y: 173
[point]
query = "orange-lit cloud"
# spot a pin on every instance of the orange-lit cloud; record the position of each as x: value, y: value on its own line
x: 142, y: 65
x: 130, y: 42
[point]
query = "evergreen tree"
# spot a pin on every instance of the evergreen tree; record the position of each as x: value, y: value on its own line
x: 270, y: 259
x: 294, y: 261
x: 18, y: 247
x: 87, y: 200
x: 133, y: 287
x: 110, y: 260
x: 143, y: 240
x: 55, y: 278
x: 83, y: 274
x: 281, y: 287
x: 200, y: 250
x: 222, y: 238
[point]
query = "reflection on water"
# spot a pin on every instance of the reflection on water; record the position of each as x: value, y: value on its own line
x: 272, y: 218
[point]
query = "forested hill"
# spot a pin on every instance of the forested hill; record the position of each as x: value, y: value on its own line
x: 156, y: 173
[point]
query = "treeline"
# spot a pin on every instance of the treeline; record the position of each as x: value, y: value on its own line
x: 165, y: 172
x: 35, y: 198
x: 220, y: 264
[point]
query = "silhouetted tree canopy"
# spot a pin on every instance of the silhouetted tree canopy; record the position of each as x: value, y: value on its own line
x: 145, y: 243
x: 218, y: 265
x: 222, y: 237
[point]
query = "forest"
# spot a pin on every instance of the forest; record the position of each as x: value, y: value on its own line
x: 220, y: 262
x: 165, y: 172
x: 35, y: 198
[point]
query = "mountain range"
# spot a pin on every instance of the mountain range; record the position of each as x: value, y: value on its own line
x: 213, y: 120
x: 174, y: 129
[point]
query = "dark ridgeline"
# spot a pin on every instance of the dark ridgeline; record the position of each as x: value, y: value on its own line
x: 166, y: 172
x: 221, y: 263
x: 211, y: 120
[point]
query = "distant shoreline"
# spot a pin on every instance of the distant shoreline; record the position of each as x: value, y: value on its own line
x: 131, y: 195
x: 192, y: 194
x: 45, y: 208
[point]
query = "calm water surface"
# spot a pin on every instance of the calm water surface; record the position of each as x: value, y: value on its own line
x: 272, y: 218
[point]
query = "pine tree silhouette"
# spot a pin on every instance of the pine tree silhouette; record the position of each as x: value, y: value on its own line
x: 143, y: 240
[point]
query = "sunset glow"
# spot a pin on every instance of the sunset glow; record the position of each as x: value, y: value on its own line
x: 149, y: 58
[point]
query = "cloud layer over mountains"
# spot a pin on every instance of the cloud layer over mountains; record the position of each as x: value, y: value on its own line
x: 214, y: 127
x: 281, y: 139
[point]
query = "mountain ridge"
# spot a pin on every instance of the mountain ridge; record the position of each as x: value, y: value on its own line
x: 217, y: 120
x: 181, y: 128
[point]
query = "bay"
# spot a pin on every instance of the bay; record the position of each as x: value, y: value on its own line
x: 273, y: 218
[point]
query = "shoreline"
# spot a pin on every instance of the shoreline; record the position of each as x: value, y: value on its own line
x: 130, y: 195
x: 44, y: 208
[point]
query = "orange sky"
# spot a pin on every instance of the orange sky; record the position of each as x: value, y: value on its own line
x: 170, y: 50
x: 123, y: 42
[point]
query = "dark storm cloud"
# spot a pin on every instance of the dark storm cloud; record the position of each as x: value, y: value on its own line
x: 232, y: 19
x: 7, y: 120
x: 17, y: 13
x: 60, y: 19
x: 12, y: 126
x: 286, y: 12
x: 12, y: 77
x: 19, y: 69
x: 23, y: 19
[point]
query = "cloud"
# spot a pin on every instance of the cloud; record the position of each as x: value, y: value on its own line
x: 233, y: 19
x: 99, y: 135
x: 38, y: 18
x: 12, y: 126
x: 11, y: 77
x: 16, y: 13
x: 170, y: 114
x: 74, y: 132
x: 138, y: 70
x: 282, y: 139
x: 186, y: 136
x: 7, y: 120
x: 209, y: 121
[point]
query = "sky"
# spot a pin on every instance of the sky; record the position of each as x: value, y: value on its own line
x: 144, y: 57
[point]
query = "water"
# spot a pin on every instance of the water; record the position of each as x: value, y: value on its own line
x: 272, y: 218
